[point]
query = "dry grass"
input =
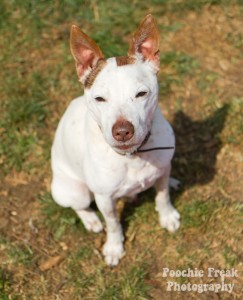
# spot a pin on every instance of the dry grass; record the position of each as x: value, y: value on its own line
x: 45, y: 253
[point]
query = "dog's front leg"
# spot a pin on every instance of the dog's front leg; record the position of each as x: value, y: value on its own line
x: 168, y: 216
x: 113, y: 249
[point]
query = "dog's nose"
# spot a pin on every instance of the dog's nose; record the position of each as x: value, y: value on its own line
x: 122, y: 130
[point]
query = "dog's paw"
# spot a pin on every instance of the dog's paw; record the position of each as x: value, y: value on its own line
x: 113, y: 253
x: 90, y: 220
x: 92, y: 223
x: 170, y: 219
x: 174, y: 183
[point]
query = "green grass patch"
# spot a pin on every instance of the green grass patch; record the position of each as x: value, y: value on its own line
x: 58, y: 219
x: 142, y: 212
x: 235, y: 39
x: 78, y: 278
x: 197, y: 5
x: 24, y: 113
x: 197, y: 213
x: 180, y: 62
x: 166, y: 82
x: 131, y: 285
x: 110, y: 285
x: 173, y: 27
x: 21, y: 254
x: 231, y: 258
x: 175, y: 66
x: 18, y: 253
x: 5, y: 285
x: 206, y: 80
x: 233, y: 133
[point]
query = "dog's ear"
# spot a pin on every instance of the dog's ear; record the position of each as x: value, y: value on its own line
x: 145, y: 42
x: 85, y: 52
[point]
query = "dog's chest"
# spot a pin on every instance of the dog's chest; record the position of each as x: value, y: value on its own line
x: 126, y: 178
x: 140, y: 178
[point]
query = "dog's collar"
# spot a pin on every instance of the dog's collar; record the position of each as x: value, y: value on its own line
x: 143, y: 142
x: 139, y: 150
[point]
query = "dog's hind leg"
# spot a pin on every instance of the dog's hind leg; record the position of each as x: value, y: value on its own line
x: 69, y: 192
x: 168, y: 216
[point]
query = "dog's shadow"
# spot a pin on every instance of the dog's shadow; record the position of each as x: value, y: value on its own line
x: 194, y: 163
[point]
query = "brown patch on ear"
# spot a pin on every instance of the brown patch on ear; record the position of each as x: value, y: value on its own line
x: 124, y: 60
x: 146, y: 41
x: 94, y: 72
x: 85, y: 51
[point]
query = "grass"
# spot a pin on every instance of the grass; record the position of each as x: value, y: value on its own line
x: 60, y: 220
x: 178, y: 65
x: 181, y: 63
x: 130, y: 284
x: 200, y: 94
x: 198, y: 213
x: 230, y: 258
x: 5, y: 284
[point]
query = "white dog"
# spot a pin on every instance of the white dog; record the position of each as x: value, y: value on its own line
x: 113, y: 142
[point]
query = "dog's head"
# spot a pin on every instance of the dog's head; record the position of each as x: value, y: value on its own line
x: 121, y: 92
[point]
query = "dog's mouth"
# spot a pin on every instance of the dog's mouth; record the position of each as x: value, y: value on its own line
x: 124, y: 147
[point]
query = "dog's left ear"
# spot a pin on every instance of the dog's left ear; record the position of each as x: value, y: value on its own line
x: 85, y: 52
x: 145, y: 41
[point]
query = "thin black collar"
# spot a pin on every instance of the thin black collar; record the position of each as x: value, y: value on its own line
x: 139, y: 150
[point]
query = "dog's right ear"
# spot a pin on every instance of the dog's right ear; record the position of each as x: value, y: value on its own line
x: 85, y: 52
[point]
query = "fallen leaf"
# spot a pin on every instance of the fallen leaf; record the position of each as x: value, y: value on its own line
x: 50, y: 263
x: 224, y: 64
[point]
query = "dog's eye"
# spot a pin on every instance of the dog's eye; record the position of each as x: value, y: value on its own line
x: 141, y: 94
x: 99, y: 99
